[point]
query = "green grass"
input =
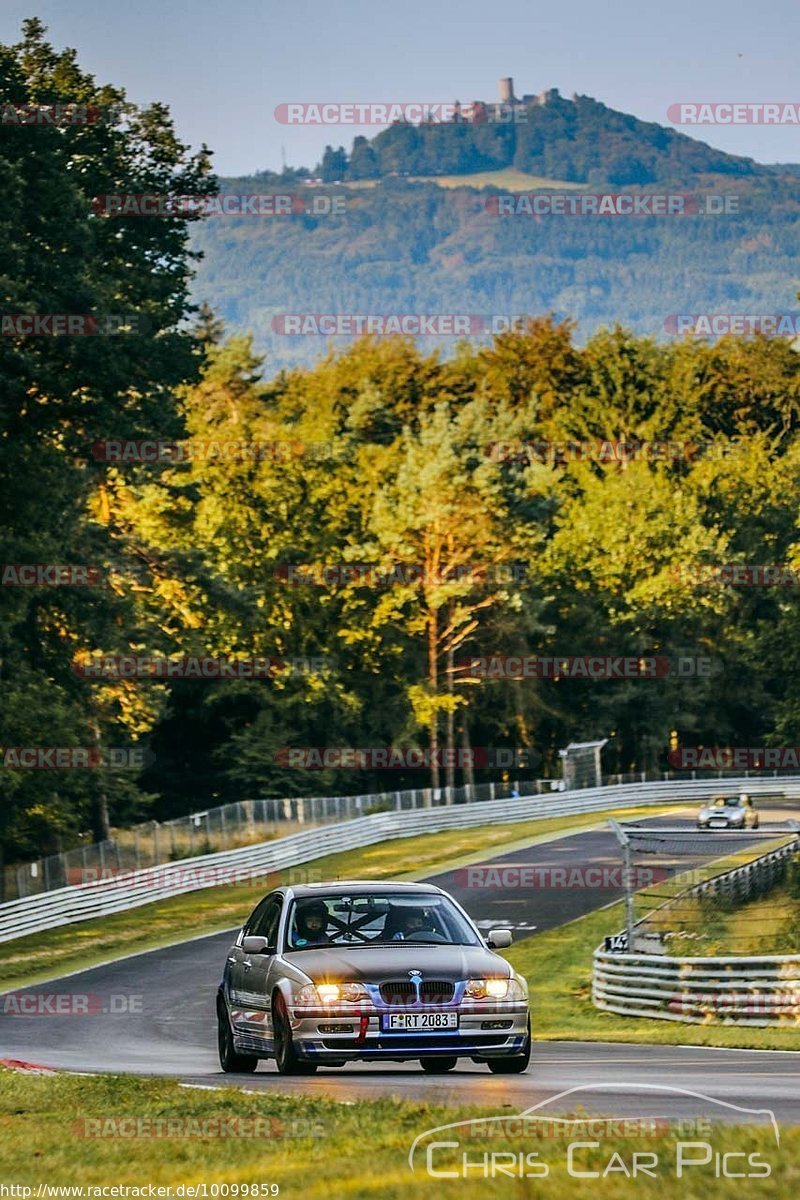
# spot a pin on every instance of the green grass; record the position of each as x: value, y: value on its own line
x: 768, y: 925
x: 318, y: 1149
x: 558, y: 967
x: 75, y: 947
x: 669, y: 912
x: 507, y: 178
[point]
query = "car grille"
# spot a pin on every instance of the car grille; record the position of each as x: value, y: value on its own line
x: 435, y: 991
x: 431, y: 991
x: 399, y: 991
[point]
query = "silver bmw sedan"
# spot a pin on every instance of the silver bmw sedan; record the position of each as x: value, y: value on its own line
x: 325, y: 974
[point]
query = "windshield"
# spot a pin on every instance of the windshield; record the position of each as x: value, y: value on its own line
x: 387, y: 919
x: 727, y: 802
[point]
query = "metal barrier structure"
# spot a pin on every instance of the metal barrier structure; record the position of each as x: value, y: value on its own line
x: 242, y: 823
x: 133, y: 888
x: 246, y: 822
x: 734, y: 990
x: 758, y: 990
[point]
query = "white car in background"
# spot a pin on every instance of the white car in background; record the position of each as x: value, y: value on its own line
x: 728, y: 812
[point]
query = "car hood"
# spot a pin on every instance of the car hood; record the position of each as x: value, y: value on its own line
x: 344, y: 964
x: 710, y: 811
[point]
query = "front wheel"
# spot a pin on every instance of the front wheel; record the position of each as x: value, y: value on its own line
x: 516, y: 1063
x: 437, y: 1066
x: 286, y: 1057
x: 229, y: 1059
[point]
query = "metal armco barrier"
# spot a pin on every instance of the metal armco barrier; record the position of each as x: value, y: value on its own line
x: 733, y: 990
x: 700, y: 991
x: 132, y: 889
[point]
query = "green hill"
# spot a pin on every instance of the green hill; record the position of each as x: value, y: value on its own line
x: 408, y: 241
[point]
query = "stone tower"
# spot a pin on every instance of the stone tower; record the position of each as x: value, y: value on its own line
x: 507, y: 90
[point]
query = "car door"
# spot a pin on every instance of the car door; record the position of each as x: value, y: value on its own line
x: 255, y: 993
x: 240, y: 965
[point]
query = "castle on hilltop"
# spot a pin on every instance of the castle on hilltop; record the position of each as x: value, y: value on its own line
x: 510, y: 107
x: 506, y: 94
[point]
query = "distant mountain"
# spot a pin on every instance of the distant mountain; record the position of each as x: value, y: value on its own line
x: 425, y: 233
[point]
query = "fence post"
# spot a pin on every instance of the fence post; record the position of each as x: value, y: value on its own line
x: 627, y: 871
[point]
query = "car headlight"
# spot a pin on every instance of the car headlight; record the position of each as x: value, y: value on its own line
x: 305, y: 994
x: 342, y: 993
x: 493, y: 989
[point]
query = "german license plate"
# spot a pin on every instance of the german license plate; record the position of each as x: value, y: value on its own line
x: 717, y: 824
x: 396, y: 1022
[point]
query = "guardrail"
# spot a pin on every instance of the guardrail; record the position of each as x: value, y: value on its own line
x: 132, y: 889
x: 245, y: 822
x: 734, y: 990
x: 230, y: 826
x: 758, y: 990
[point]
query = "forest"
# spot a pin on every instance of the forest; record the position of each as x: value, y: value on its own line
x: 356, y: 532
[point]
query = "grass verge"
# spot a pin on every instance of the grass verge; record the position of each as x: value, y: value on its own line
x: 42, y: 956
x: 315, y: 1148
x: 717, y: 925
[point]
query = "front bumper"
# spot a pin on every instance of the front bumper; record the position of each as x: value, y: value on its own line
x: 347, y: 1033
x: 719, y: 823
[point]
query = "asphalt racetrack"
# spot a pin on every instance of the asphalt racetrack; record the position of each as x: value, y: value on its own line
x: 153, y: 1014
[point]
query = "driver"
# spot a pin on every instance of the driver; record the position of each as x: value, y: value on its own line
x: 410, y: 921
x: 311, y: 921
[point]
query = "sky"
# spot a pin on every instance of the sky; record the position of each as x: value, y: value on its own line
x: 224, y: 67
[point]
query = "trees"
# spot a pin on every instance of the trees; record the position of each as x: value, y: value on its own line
x: 61, y: 395
x: 333, y: 167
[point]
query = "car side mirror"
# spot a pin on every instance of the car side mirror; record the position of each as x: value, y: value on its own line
x: 498, y: 939
x: 256, y: 945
